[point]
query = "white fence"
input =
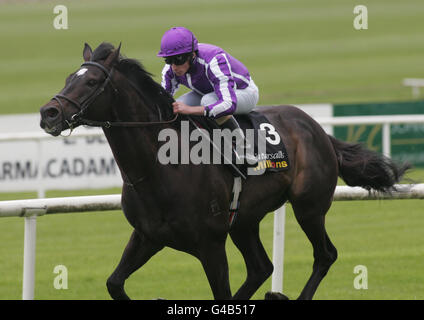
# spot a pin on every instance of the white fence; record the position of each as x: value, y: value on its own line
x: 385, y: 121
x: 30, y: 209
x: 415, y: 84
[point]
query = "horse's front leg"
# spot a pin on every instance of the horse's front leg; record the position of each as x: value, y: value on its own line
x: 137, y: 252
x: 214, y: 261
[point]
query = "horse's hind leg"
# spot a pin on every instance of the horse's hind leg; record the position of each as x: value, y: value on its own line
x: 258, y: 265
x: 137, y: 252
x: 311, y: 217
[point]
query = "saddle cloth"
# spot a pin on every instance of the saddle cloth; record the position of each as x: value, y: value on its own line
x: 272, y: 157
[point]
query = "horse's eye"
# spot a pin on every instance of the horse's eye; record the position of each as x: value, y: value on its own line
x: 91, y: 83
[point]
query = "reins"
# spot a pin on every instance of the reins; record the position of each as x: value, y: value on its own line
x: 129, y: 124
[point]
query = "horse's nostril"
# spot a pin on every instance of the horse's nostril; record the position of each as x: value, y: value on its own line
x: 51, y: 112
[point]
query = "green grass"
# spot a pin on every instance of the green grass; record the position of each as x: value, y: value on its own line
x: 298, y: 52
x: 385, y: 236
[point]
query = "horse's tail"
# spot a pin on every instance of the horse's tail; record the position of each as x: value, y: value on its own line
x: 362, y: 167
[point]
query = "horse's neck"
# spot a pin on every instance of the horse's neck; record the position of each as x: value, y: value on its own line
x: 134, y: 155
x: 134, y: 149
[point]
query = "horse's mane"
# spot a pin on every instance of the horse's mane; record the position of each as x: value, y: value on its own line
x: 137, y: 74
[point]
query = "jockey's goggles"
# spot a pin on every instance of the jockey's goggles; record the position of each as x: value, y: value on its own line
x: 178, y: 59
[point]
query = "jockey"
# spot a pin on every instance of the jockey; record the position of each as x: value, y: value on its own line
x: 221, y: 85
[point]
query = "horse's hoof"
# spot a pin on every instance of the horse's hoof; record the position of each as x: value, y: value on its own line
x: 275, y: 296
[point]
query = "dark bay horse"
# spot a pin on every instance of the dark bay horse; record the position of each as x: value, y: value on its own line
x: 186, y: 206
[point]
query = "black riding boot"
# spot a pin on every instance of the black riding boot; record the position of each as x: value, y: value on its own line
x: 247, y: 157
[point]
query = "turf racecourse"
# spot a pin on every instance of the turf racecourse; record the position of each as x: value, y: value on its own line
x: 298, y: 52
x: 385, y: 236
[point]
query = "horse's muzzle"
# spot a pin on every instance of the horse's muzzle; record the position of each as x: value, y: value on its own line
x: 51, y: 119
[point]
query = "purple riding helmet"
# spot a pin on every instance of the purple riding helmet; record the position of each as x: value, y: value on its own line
x: 176, y: 41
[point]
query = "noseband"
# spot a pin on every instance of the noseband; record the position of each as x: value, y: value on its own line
x: 77, y: 119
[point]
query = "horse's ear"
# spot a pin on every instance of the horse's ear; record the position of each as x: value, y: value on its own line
x: 113, y: 57
x: 87, y: 52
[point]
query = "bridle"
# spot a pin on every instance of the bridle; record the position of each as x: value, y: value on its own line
x: 77, y: 118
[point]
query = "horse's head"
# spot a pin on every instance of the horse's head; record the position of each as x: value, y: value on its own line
x: 88, y: 92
